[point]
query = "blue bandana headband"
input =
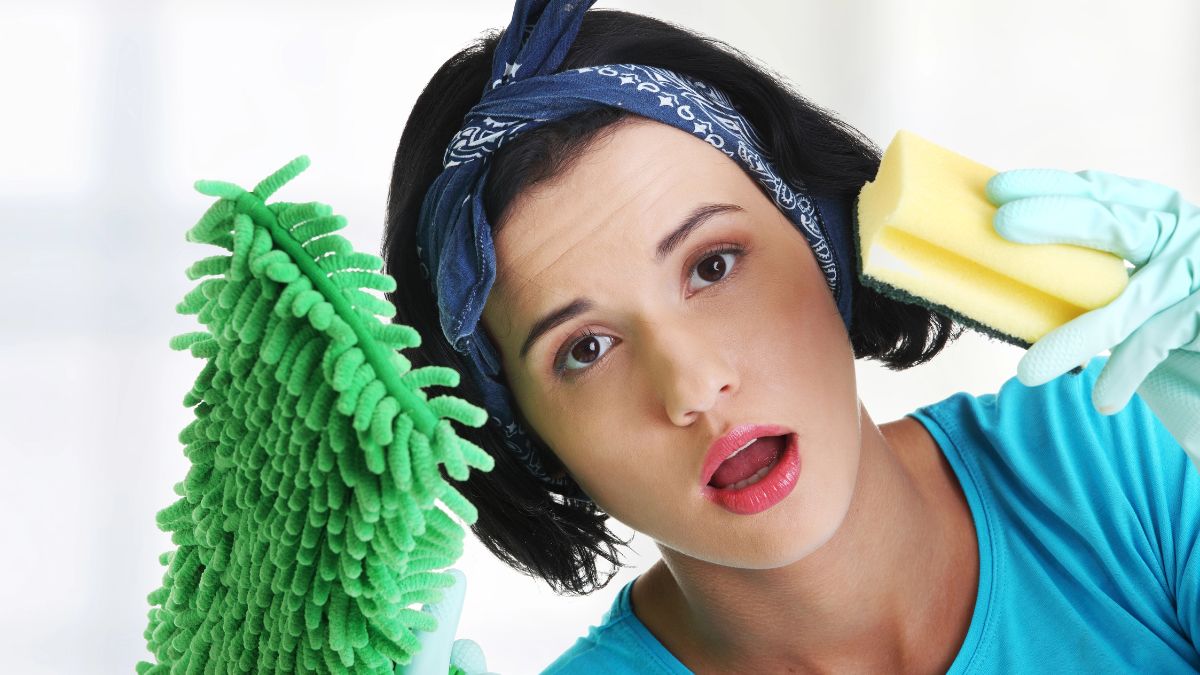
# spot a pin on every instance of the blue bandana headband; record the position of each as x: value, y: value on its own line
x: 454, y: 235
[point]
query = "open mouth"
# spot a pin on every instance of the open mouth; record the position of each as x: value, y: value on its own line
x: 750, y: 464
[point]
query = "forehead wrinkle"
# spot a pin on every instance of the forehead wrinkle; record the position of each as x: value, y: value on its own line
x: 645, y: 175
x: 632, y: 198
x: 631, y: 211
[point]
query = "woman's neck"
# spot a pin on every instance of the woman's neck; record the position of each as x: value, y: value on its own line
x: 892, y: 590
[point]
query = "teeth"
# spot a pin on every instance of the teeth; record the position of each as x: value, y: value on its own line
x: 752, y: 479
x: 735, y: 452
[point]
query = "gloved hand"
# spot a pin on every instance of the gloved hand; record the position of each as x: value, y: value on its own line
x: 1154, y: 324
x: 440, y: 653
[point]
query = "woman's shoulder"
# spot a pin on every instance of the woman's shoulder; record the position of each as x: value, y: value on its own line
x: 1100, y: 513
x: 1054, y: 429
x: 1044, y: 460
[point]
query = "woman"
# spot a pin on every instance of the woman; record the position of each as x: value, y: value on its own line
x: 853, y: 547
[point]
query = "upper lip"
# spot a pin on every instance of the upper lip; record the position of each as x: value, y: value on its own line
x: 727, y: 444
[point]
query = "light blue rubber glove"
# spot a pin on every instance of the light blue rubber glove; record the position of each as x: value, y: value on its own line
x: 440, y: 653
x: 1153, y: 326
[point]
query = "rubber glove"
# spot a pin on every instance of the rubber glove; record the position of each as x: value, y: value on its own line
x: 440, y: 653
x: 1153, y: 326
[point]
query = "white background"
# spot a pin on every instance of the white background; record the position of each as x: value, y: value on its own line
x: 111, y: 110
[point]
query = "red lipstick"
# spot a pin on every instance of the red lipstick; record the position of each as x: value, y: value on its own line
x: 778, y: 483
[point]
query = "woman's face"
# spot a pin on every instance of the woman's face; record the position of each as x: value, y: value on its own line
x: 735, y: 325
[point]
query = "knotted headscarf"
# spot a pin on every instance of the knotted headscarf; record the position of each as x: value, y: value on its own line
x: 526, y: 91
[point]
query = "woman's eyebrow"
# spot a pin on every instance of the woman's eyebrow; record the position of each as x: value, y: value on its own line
x: 695, y: 219
x: 699, y: 215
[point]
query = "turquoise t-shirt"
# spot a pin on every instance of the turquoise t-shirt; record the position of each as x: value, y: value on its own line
x: 1087, y: 525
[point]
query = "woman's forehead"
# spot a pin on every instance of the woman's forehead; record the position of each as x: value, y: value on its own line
x: 599, y: 229
x: 621, y: 196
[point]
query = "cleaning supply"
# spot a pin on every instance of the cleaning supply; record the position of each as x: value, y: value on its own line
x: 439, y: 647
x: 1147, y: 224
x: 926, y: 234
x: 311, y: 517
x: 1153, y: 327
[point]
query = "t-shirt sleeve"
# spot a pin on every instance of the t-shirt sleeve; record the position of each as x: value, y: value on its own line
x: 1181, y: 549
x: 1187, y: 563
x: 1167, y: 487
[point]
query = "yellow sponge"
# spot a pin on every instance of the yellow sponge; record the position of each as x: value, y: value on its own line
x: 925, y: 236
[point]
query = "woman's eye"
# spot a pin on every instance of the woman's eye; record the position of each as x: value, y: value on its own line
x: 584, y: 351
x: 590, y: 347
x: 713, y: 268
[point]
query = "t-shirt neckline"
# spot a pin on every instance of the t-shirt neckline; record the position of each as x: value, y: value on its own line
x: 970, y: 485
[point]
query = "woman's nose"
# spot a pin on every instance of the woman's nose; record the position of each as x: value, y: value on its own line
x: 689, y: 370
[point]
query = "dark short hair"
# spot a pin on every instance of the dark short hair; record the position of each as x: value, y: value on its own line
x: 534, y: 531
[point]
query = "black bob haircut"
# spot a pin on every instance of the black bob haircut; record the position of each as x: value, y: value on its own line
x: 531, y: 529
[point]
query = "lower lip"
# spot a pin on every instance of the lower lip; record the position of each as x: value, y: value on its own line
x: 767, y: 492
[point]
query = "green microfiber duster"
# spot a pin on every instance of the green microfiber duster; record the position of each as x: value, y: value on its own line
x: 308, y: 521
